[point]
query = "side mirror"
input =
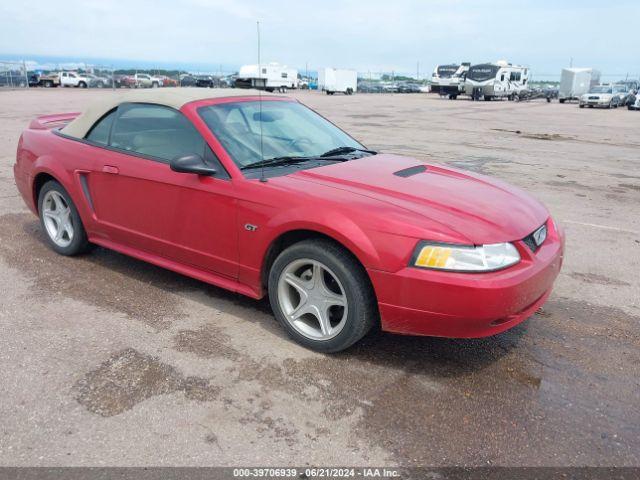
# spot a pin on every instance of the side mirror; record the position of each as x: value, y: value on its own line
x: 192, y: 163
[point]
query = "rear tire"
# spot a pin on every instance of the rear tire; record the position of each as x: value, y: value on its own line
x: 73, y: 240
x: 350, y: 307
x: 82, y: 85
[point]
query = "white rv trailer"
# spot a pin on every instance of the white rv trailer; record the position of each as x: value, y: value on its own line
x: 496, y: 80
x: 449, y: 79
x: 268, y: 76
x: 575, y: 82
x: 332, y: 80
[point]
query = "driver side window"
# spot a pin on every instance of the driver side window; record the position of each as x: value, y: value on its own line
x: 155, y: 131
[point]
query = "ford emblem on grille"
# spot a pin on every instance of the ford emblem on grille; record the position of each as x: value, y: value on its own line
x: 540, y: 235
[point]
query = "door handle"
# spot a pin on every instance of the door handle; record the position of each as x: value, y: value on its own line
x: 110, y: 169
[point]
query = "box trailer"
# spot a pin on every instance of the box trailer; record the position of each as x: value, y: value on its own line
x: 332, y: 80
x: 575, y: 82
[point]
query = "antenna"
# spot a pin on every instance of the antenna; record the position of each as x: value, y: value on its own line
x: 262, y: 178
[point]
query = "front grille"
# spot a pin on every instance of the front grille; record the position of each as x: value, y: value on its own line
x: 530, y: 240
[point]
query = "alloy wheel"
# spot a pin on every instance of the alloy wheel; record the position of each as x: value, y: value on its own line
x: 312, y: 299
x: 56, y: 215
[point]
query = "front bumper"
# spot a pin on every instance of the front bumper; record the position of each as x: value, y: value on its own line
x: 596, y: 103
x: 462, y: 305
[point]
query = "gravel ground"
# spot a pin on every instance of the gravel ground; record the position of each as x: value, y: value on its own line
x: 110, y: 361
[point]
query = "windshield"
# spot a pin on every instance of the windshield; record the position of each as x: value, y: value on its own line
x: 480, y: 73
x: 600, y: 90
x: 289, y: 129
x: 446, y: 71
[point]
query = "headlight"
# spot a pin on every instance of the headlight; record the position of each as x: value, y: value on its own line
x: 462, y: 258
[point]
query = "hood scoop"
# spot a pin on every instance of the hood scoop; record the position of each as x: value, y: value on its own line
x: 411, y: 171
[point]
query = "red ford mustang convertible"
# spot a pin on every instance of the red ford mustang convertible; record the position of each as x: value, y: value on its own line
x: 263, y: 196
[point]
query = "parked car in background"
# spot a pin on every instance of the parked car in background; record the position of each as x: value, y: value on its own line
x: 33, y: 79
x: 622, y: 91
x: 390, y: 87
x: 187, y: 80
x: 409, y: 88
x: 600, y: 96
x: 96, y: 81
x: 205, y: 81
x: 74, y: 79
x: 123, y: 81
x: 144, y: 80
x: 49, y: 80
x: 139, y: 80
x: 634, y: 102
x: 168, y: 81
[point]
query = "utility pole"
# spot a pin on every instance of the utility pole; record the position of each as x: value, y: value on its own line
x: 418, y: 71
x: 26, y: 76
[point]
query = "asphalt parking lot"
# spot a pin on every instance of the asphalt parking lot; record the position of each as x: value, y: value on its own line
x: 110, y: 361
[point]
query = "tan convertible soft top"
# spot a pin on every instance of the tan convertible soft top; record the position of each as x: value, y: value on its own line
x: 170, y: 97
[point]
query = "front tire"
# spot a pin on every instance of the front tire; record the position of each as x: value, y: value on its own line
x: 60, y: 220
x: 322, y: 296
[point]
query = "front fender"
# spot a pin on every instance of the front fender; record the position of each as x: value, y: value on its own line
x: 259, y: 227
x: 333, y: 224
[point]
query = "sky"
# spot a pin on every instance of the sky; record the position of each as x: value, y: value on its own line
x: 371, y: 35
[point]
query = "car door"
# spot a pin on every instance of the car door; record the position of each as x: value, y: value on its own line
x: 139, y: 202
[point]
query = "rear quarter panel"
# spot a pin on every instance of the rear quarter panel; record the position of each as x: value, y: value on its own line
x: 41, y: 151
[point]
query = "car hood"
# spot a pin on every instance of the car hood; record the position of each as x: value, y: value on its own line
x: 481, y: 209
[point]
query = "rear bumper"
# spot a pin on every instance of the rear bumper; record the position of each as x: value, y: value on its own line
x: 461, y: 305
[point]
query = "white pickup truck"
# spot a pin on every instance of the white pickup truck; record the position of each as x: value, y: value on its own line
x: 147, y: 81
x: 74, y: 79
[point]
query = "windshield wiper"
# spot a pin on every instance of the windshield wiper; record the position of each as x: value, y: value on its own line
x: 343, y: 150
x: 271, y: 162
x: 290, y: 160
